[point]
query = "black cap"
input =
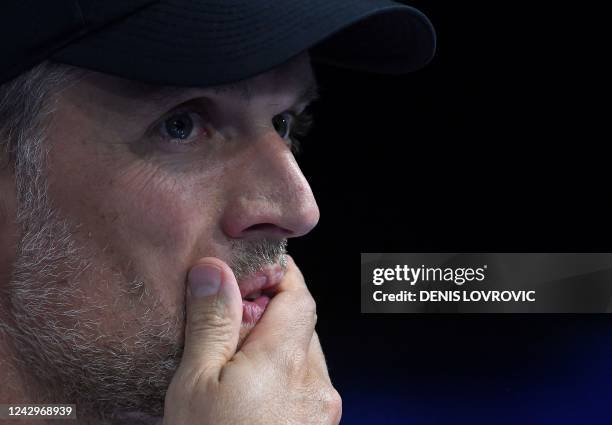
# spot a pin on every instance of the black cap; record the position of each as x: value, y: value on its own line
x: 210, y: 42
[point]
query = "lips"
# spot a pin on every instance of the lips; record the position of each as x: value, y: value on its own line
x: 256, y: 290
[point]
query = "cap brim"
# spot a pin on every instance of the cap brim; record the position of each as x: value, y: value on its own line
x: 204, y: 43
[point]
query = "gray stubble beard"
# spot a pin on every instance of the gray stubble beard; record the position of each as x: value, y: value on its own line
x: 61, y: 349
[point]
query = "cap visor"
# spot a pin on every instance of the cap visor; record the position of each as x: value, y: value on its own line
x: 205, y: 43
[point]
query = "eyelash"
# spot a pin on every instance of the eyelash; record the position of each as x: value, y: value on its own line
x: 157, y: 140
x: 301, y: 126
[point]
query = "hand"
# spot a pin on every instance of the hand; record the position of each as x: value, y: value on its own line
x: 278, y: 376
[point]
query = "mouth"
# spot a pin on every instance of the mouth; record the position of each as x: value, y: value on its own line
x: 257, y: 290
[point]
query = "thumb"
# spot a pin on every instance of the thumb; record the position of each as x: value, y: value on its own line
x: 214, y: 315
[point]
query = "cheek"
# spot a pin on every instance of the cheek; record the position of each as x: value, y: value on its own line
x: 159, y: 237
x: 140, y: 226
x: 139, y: 218
x: 160, y: 231
x: 162, y: 220
x: 136, y: 221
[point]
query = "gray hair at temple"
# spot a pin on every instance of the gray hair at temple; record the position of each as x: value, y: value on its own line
x: 25, y: 103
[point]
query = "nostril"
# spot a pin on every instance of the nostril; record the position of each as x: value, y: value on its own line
x: 268, y: 228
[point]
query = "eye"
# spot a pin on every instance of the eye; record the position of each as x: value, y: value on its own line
x: 283, y: 124
x: 182, y: 128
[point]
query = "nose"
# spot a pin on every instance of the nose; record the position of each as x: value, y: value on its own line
x: 270, y: 197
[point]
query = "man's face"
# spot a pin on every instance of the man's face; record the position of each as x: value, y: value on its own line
x: 142, y: 182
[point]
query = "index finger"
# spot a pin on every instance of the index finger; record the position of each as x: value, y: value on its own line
x: 289, y: 319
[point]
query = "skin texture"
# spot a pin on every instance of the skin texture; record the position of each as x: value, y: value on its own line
x: 277, y: 377
x: 139, y: 212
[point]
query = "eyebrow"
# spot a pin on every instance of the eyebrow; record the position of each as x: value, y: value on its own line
x: 165, y: 94
x: 310, y: 93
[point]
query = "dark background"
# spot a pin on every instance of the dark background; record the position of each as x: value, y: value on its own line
x: 499, y: 145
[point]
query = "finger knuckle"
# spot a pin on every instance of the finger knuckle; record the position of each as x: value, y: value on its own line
x: 207, y: 321
x: 307, y: 304
x: 333, y: 403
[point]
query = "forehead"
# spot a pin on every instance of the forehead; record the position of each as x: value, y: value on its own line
x: 295, y: 75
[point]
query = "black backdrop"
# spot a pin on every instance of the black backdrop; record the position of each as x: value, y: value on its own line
x: 499, y: 145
